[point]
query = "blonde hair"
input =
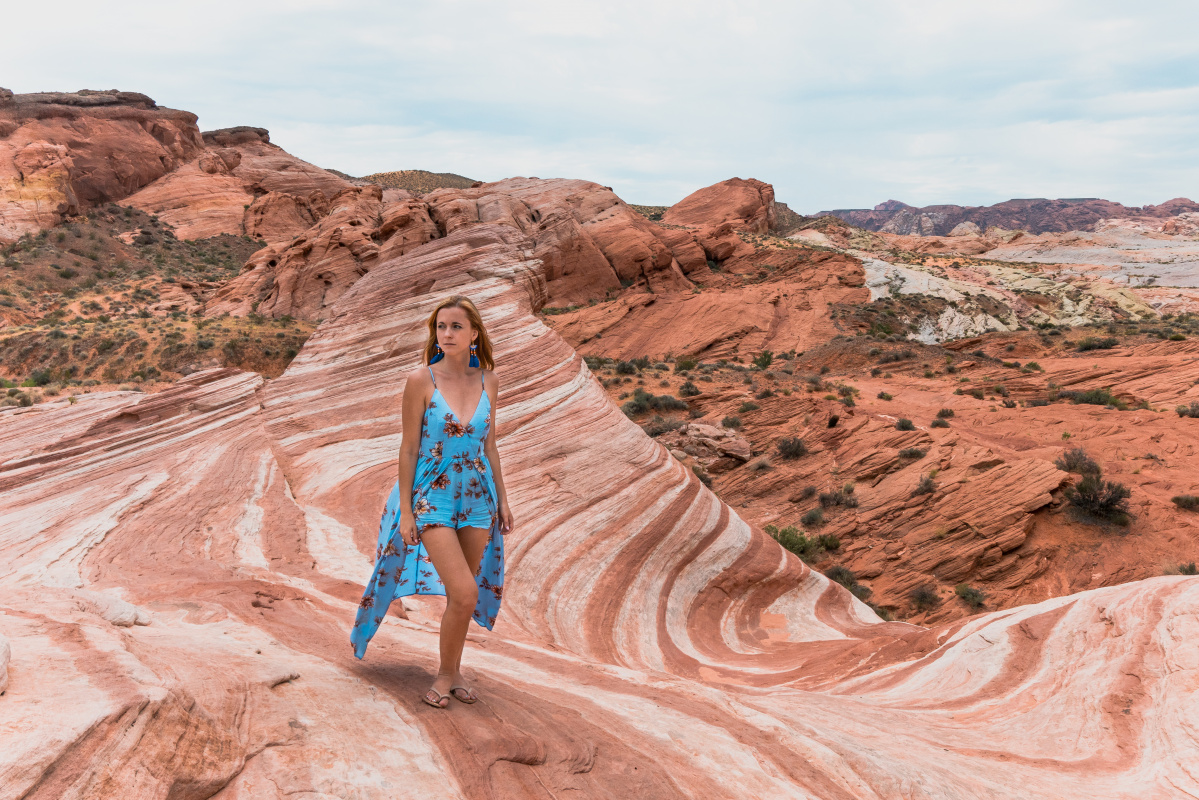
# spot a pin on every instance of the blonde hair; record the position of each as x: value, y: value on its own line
x: 483, y: 343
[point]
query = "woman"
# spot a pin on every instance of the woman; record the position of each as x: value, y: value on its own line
x: 442, y: 527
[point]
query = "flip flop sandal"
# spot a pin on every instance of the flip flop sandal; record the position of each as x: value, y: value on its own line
x: 470, y: 696
x: 435, y: 703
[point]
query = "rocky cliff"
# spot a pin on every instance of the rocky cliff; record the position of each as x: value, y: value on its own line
x: 1035, y: 215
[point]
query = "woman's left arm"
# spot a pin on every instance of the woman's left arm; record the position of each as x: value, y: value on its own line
x: 491, y: 384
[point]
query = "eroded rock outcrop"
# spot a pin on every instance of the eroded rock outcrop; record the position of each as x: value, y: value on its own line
x: 64, y: 152
x: 241, y: 184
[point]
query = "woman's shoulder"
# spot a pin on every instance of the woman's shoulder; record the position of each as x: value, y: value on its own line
x: 419, y: 378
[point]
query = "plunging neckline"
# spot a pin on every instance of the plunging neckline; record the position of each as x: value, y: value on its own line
x: 457, y: 418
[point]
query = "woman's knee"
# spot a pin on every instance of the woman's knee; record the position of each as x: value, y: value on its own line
x: 462, y: 597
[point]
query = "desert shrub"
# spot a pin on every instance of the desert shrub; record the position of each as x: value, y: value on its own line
x: 660, y: 425
x: 791, y: 447
x: 904, y: 424
x: 643, y: 401
x: 848, y: 402
x: 896, y: 355
x: 766, y: 392
x: 829, y: 541
x: 1093, y: 343
x: 1036, y: 402
x: 833, y: 419
x: 704, y: 477
x: 1077, y: 461
x: 1094, y: 397
x: 945, y: 412
x: 925, y: 597
x: 626, y: 368
x: 884, y: 396
x: 1176, y: 337
x: 1188, y: 569
x: 926, y: 486
x: 1188, y: 502
x: 1009, y: 403
x: 688, y: 389
x: 685, y: 364
x: 972, y: 597
x: 760, y: 464
x: 1032, y: 366
x: 807, y: 492
x: 841, y: 575
x: 976, y: 393
x: 913, y: 453
x: 1102, y: 499
x: 1188, y: 411
x: 813, y: 518
x: 791, y: 538
x: 839, y: 497
x: 748, y: 405
x: 875, y: 372
x: 939, y: 423
x: 731, y: 422
x: 763, y: 359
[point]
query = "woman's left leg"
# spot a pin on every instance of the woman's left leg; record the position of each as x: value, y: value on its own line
x: 474, y: 543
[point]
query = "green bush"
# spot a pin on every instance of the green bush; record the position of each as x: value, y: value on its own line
x: 1188, y: 502
x: 813, y: 519
x: 1077, y: 461
x: 1094, y: 397
x: 926, y: 486
x: 1188, y: 411
x: 763, y: 359
x: 1105, y: 500
x: 1093, y: 343
x: 840, y: 497
x: 791, y: 447
x: 704, y: 477
x: 925, y: 597
x: 731, y: 422
x: 798, y: 543
x: 945, y: 413
x: 643, y: 401
x: 913, y: 453
x: 904, y: 424
x: 660, y: 425
x: 1188, y: 569
x: 685, y: 364
x: 747, y: 406
x: 973, y: 597
x: 688, y: 389
x: 884, y: 396
x: 939, y: 423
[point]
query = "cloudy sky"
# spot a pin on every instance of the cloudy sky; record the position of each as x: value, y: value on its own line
x: 838, y: 105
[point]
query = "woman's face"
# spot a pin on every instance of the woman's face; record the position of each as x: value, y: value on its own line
x: 454, y: 332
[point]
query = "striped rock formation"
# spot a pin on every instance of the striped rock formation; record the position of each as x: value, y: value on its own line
x: 178, y: 573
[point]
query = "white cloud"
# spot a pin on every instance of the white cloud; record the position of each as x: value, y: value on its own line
x: 838, y: 105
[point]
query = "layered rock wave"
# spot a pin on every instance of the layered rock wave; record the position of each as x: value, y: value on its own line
x: 651, y: 643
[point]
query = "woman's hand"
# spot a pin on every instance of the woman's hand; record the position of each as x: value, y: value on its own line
x: 505, y: 518
x: 408, y: 530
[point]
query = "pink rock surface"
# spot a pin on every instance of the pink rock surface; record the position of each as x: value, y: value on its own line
x: 651, y: 644
x: 241, y: 184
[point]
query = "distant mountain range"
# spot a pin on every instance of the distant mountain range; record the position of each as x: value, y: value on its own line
x: 1035, y: 215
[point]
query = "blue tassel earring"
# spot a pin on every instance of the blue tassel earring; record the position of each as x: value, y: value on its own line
x: 440, y: 355
x: 474, y: 359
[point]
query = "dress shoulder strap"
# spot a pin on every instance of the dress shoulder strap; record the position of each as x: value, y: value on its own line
x: 431, y: 375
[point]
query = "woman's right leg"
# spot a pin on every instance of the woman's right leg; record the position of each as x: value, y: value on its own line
x: 461, y: 594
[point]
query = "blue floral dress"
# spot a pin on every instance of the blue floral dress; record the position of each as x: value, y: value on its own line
x: 453, y: 487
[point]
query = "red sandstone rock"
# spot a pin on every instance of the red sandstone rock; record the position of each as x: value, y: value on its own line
x: 747, y: 204
x: 241, y: 184
x: 62, y: 153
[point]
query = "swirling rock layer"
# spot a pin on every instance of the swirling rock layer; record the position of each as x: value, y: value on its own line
x: 651, y: 643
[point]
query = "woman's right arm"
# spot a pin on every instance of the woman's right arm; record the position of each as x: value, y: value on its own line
x: 413, y: 411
